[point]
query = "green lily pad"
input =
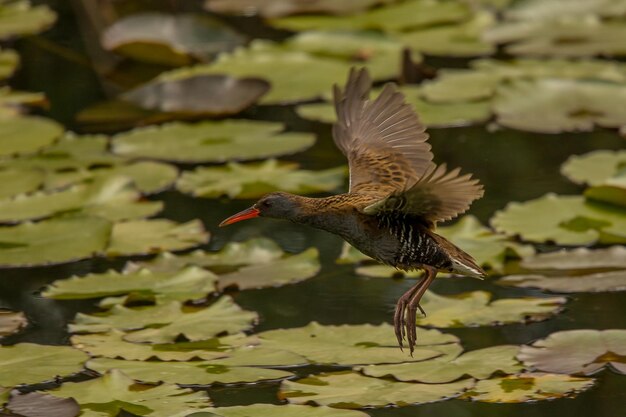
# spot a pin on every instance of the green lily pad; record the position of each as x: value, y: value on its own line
x: 114, y: 392
x: 277, y: 8
x: 186, y: 284
x: 288, y: 72
x: 405, y: 15
x: 211, y: 141
x: 148, y: 176
x: 356, y: 344
x: 114, y: 199
x: 28, y: 363
x: 271, y: 410
x: 13, y: 103
x: 613, y: 257
x: 27, y: 134
x: 478, y: 364
x: 352, y: 390
x: 564, y: 220
x: 578, y: 352
x: 254, y: 180
x: 461, y: 39
x: 112, y: 345
x: 14, y: 182
x: 53, y: 241
x: 594, y: 168
x: 552, y: 106
x: 35, y: 404
x: 20, y: 18
x: 170, y: 39
x: 527, y: 387
x: 186, y: 373
x: 137, y: 237
x: 596, y: 282
x: 164, y: 323
x: 9, y: 60
x: 11, y: 322
x: 476, y: 309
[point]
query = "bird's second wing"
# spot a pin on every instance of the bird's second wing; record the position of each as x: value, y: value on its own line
x: 383, y: 139
x: 439, y: 195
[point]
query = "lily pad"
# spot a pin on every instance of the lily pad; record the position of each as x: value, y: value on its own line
x: 138, y: 237
x: 53, y: 241
x: 35, y: 404
x: 114, y: 392
x: 170, y: 39
x: 476, y: 309
x: 527, y: 387
x: 211, y: 141
x: 596, y: 282
x: 186, y: 373
x: 254, y: 180
x: 9, y: 59
x: 278, y: 8
x: 13, y: 103
x: 578, y: 352
x: 404, y: 15
x: 28, y: 363
x: 552, y: 106
x: 20, y: 18
x: 228, y: 95
x: 271, y: 410
x: 112, y: 345
x: 164, y: 323
x: 478, y: 364
x: 352, y: 390
x: 288, y: 72
x: 186, y: 284
x: 16, y: 182
x: 613, y: 257
x: 594, y: 168
x: 114, y: 199
x: 11, y: 322
x: 356, y: 344
x: 564, y: 220
x: 27, y: 134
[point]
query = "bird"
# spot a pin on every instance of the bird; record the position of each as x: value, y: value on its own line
x: 396, y: 194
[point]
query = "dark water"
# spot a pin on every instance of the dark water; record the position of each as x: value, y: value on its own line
x: 514, y: 166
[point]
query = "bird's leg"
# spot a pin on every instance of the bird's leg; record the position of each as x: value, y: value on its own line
x: 405, y: 316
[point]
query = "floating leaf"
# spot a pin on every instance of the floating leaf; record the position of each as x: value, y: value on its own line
x: 594, y: 168
x: 19, y: 18
x: 12, y: 103
x: 35, y: 404
x: 564, y: 220
x: 597, y: 282
x: 476, y: 309
x: 271, y: 410
x: 150, y: 236
x: 112, y: 345
x: 228, y: 95
x: 527, y: 387
x: 114, y: 392
x: 254, y: 180
x: 27, y: 134
x: 578, y: 352
x: 211, y: 141
x: 53, y: 241
x: 578, y: 259
x: 395, y: 17
x: 478, y: 364
x: 356, y: 344
x: 164, y: 323
x: 28, y: 363
x: 552, y: 106
x: 351, y: 390
x: 187, y: 373
x: 11, y: 322
x: 186, y: 284
x: 14, y: 182
x: 170, y: 39
x: 9, y: 59
x: 277, y: 8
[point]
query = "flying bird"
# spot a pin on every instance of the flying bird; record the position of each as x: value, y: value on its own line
x: 397, y: 194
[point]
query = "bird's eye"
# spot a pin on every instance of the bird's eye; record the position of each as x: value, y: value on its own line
x: 266, y: 203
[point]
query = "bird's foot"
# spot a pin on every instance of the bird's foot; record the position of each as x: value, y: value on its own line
x: 405, y: 316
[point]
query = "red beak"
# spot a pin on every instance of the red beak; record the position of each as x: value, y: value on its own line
x: 246, y: 214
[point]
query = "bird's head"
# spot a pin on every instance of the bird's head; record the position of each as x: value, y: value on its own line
x: 274, y: 205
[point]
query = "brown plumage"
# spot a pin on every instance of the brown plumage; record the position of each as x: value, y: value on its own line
x: 396, y: 197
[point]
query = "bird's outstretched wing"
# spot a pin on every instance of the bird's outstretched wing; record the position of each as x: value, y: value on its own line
x: 383, y: 139
x: 439, y: 195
